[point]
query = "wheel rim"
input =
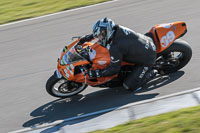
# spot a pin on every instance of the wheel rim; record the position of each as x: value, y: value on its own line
x: 170, y: 61
x: 175, y: 58
x: 63, y: 89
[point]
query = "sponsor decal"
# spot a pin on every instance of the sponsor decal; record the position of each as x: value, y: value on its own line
x: 167, y: 25
x: 174, y: 27
x: 126, y: 30
x: 142, y: 36
x: 108, y: 46
x: 92, y: 54
x: 147, y: 44
x: 150, y: 43
x: 66, y: 73
x: 72, y: 66
x: 102, y: 62
x: 113, y: 60
x: 153, y: 46
x: 71, y: 72
x: 143, y: 72
x: 68, y: 68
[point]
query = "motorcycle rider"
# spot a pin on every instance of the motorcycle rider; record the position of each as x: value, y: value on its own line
x: 124, y: 44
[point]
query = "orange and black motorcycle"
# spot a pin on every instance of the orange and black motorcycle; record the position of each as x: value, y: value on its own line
x: 71, y: 77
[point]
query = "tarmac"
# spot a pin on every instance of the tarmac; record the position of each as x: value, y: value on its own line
x: 108, y: 118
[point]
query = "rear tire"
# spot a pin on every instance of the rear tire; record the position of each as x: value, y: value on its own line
x: 62, y: 88
x: 184, y: 57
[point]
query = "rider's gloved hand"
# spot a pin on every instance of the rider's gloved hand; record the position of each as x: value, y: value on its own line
x: 79, y: 43
x: 94, y: 73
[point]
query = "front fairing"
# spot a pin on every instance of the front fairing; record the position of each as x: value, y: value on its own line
x: 68, y: 61
x: 99, y: 56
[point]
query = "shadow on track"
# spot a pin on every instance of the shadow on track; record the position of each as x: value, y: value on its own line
x: 104, y: 99
x: 161, y: 81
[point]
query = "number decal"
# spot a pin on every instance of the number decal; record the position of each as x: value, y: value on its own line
x: 165, y: 40
x: 170, y: 36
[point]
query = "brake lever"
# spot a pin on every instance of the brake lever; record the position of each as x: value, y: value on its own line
x: 88, y: 48
x: 86, y: 69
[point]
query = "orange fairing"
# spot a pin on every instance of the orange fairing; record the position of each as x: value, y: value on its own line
x: 68, y: 70
x: 100, y: 60
x: 165, y: 34
x: 99, y: 57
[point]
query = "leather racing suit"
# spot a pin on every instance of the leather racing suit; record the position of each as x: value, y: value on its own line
x: 127, y: 45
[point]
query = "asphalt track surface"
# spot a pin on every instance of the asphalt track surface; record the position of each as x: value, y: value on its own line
x: 29, y: 51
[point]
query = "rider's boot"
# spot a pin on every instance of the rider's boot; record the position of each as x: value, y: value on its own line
x: 136, y: 84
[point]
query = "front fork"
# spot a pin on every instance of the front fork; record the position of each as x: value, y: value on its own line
x: 84, y: 71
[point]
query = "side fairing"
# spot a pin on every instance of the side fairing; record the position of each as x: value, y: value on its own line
x: 100, y: 58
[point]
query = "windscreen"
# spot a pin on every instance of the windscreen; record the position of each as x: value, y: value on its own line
x: 71, y: 57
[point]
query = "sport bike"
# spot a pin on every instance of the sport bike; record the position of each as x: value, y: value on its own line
x: 71, y: 76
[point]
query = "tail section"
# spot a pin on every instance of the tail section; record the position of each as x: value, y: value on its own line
x: 165, y: 34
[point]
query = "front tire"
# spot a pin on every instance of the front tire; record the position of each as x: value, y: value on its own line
x: 63, y: 88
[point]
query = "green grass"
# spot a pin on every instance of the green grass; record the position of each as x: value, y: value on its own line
x: 13, y: 10
x: 181, y: 121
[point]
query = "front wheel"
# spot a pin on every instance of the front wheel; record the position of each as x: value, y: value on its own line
x: 62, y: 88
x: 175, y: 57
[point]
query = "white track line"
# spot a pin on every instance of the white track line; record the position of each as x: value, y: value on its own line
x: 71, y: 10
x: 105, y: 111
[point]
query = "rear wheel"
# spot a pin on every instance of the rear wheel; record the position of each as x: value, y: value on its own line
x: 62, y: 88
x: 175, y: 57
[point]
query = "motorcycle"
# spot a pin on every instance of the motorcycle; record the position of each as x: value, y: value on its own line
x: 71, y: 76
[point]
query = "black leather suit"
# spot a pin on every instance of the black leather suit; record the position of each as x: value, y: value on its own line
x: 127, y: 45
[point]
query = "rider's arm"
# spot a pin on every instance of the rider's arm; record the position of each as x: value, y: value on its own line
x: 115, y: 63
x: 86, y: 38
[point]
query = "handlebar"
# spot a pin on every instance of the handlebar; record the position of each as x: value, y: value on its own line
x: 76, y: 37
x: 84, y: 52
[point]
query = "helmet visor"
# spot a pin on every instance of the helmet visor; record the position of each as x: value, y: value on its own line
x: 101, y: 34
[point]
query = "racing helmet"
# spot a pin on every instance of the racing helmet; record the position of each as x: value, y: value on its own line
x: 103, y: 30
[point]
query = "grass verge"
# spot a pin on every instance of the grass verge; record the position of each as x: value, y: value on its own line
x: 13, y: 10
x: 182, y: 121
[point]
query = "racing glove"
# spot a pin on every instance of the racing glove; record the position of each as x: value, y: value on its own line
x: 86, y: 38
